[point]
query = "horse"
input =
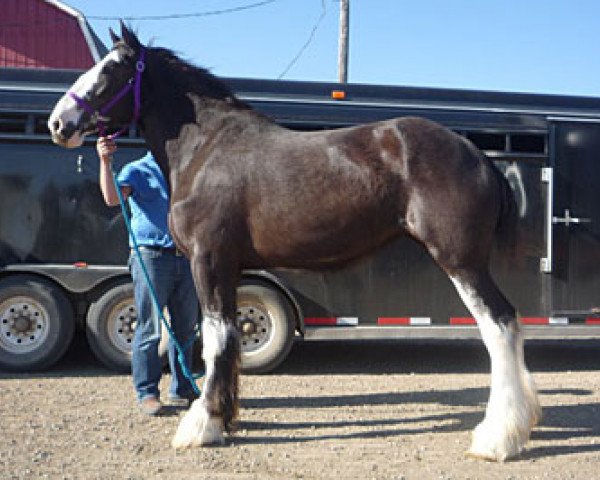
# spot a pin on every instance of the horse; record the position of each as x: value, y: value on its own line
x: 242, y: 196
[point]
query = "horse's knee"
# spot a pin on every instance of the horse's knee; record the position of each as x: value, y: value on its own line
x: 220, y: 345
x: 214, y: 337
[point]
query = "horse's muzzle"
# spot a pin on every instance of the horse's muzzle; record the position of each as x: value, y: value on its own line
x: 65, y: 135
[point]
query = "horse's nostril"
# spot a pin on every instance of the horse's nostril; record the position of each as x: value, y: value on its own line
x: 56, y: 126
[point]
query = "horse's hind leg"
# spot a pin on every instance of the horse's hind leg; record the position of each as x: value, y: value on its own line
x: 513, y: 408
x: 216, y: 409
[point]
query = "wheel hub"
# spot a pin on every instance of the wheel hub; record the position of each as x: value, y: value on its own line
x: 23, y: 324
x: 248, y: 327
x: 121, y: 328
x: 255, y: 326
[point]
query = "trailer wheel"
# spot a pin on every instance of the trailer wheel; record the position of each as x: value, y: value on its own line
x: 267, y: 325
x: 110, y: 325
x: 36, y: 323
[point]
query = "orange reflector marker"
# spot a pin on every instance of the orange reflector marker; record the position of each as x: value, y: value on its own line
x: 338, y: 94
x: 80, y: 265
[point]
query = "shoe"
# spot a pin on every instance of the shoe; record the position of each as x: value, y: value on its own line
x: 182, y: 400
x: 150, y: 406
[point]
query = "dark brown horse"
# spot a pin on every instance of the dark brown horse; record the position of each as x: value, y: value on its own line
x: 243, y: 193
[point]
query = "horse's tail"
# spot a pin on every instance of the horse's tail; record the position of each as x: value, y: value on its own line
x: 506, y: 228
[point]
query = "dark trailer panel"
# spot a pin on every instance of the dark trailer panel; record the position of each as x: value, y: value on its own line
x: 58, y: 238
x: 574, y: 248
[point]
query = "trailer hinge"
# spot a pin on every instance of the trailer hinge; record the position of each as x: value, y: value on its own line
x: 546, y: 174
x: 547, y: 177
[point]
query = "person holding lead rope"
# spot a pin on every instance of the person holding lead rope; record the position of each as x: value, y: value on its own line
x: 143, y: 186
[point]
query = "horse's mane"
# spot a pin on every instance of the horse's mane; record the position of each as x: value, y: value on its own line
x: 195, y: 79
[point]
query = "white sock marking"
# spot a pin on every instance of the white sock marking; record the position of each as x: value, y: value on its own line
x: 512, y: 407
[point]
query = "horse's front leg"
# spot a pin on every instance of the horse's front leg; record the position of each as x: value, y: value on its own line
x: 216, y: 409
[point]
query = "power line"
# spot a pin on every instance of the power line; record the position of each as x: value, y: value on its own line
x: 176, y: 16
x: 307, y: 43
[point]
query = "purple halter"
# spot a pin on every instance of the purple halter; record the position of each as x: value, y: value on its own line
x: 134, y: 83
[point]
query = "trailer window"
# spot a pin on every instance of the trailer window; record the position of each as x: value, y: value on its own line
x: 488, y: 141
x: 13, y: 123
x: 41, y: 126
x: 527, y: 143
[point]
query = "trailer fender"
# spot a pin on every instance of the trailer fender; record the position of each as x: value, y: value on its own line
x: 274, y: 280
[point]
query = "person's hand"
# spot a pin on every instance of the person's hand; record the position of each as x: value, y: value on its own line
x: 106, y: 146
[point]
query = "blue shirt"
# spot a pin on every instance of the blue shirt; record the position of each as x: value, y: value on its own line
x: 148, y: 202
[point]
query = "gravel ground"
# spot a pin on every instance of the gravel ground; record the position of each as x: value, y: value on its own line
x: 331, y: 411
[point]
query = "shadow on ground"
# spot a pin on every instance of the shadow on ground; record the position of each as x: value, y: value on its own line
x: 371, y: 357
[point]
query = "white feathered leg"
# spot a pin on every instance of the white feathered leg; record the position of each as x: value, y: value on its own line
x: 198, y: 427
x: 513, y: 407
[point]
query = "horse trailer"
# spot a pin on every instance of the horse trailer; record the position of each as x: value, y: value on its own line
x: 63, y: 253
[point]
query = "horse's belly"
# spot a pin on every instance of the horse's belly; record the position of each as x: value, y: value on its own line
x: 313, y: 247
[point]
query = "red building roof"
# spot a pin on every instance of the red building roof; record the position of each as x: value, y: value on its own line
x: 46, y: 34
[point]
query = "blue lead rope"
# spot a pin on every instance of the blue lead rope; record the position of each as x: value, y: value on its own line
x: 180, y: 350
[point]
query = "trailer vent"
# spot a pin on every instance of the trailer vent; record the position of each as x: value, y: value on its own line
x: 13, y: 123
x: 488, y: 141
x: 527, y: 143
x: 40, y: 125
x: 508, y: 142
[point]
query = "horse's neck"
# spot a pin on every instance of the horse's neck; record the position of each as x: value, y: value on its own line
x: 175, y: 127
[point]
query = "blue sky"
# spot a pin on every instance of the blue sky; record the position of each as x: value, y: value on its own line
x: 545, y: 46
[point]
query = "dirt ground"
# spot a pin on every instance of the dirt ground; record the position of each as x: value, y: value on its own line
x: 331, y: 411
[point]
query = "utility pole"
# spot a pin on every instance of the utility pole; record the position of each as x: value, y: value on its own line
x: 343, y: 41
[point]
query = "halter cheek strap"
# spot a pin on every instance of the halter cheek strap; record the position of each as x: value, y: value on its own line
x: 134, y: 83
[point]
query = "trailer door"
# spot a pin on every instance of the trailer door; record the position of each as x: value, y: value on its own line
x: 574, y: 223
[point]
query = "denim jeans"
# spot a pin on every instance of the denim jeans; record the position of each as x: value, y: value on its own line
x: 172, y: 280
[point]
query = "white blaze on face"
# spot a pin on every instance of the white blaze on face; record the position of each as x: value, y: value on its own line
x: 67, y: 111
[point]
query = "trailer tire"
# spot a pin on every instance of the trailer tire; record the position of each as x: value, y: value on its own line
x: 267, y: 325
x: 36, y: 323
x: 110, y: 326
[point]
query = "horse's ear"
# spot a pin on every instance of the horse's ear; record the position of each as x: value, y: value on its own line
x: 129, y: 37
x: 113, y: 36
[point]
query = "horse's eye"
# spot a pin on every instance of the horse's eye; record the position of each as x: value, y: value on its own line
x: 101, y: 88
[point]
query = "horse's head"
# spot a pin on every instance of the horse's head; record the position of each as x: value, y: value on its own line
x: 99, y: 98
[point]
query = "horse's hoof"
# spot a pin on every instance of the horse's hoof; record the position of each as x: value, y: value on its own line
x: 213, y: 432
x: 497, y: 442
x: 197, y: 429
x: 478, y: 456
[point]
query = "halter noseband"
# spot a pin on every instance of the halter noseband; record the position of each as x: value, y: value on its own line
x: 134, y: 83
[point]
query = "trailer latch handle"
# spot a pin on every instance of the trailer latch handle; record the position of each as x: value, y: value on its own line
x: 568, y: 219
